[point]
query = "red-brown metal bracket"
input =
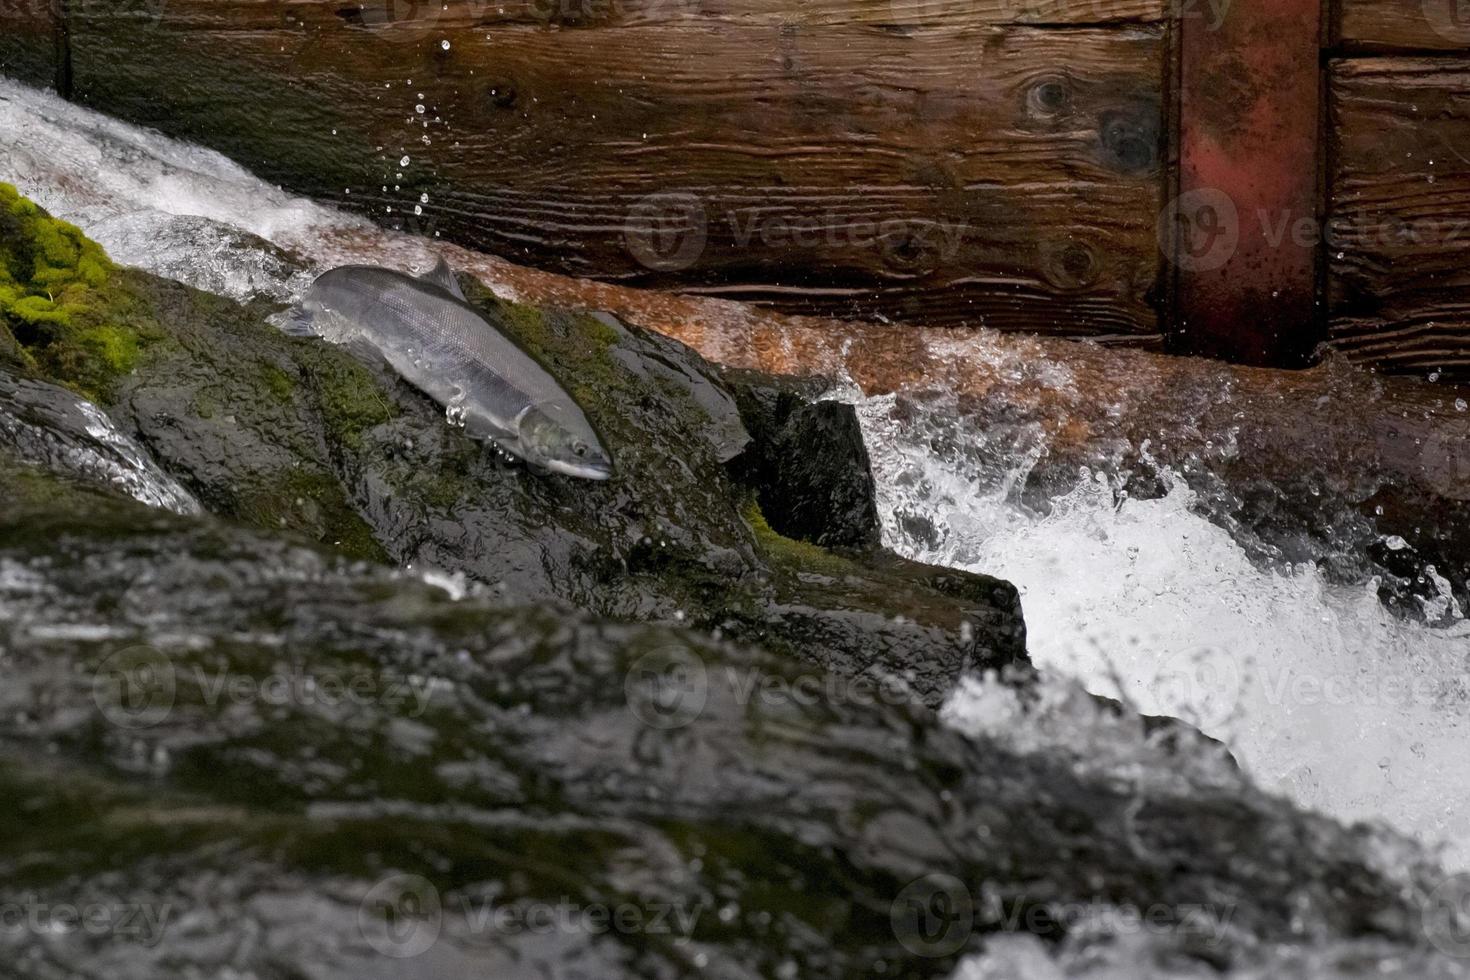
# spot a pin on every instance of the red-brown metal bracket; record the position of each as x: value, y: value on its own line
x: 1245, y: 229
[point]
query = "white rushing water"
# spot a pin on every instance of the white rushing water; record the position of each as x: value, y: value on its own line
x: 1319, y: 692
x: 1316, y: 689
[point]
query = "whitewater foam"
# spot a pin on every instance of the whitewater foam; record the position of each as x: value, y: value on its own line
x: 1317, y: 689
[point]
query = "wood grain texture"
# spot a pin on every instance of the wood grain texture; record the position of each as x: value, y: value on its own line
x: 919, y: 161
x: 1410, y: 25
x: 1398, y: 235
x: 28, y: 40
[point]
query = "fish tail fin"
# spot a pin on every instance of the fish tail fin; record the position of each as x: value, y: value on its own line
x: 297, y: 322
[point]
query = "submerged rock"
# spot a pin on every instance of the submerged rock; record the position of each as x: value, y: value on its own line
x: 280, y: 762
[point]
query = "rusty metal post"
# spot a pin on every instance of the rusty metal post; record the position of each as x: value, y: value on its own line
x: 1245, y: 227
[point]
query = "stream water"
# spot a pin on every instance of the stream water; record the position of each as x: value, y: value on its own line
x: 1318, y: 691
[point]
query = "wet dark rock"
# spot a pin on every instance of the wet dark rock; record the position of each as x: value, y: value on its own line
x: 303, y: 436
x: 434, y: 771
x: 808, y: 464
x: 662, y: 361
x: 43, y: 424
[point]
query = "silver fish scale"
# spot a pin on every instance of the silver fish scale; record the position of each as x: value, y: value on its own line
x: 448, y: 336
x: 439, y: 344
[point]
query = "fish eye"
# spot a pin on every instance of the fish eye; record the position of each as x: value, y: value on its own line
x: 580, y: 448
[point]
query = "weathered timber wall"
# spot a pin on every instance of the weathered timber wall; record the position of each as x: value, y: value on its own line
x: 1398, y: 231
x: 31, y: 40
x: 1405, y: 25
x: 993, y: 163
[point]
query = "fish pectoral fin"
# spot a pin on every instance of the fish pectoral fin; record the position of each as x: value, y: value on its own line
x: 297, y: 322
x: 443, y: 277
x: 484, y: 429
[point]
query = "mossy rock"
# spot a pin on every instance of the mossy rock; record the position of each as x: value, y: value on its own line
x: 68, y: 312
x: 494, y: 757
x: 303, y: 436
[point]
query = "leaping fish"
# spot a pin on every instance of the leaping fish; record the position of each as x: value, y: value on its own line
x: 436, y: 341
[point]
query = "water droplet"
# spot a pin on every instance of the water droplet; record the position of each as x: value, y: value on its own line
x: 404, y: 162
x: 444, y: 45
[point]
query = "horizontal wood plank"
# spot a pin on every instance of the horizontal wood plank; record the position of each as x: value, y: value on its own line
x: 29, y: 40
x: 1398, y: 235
x: 849, y: 158
x: 1409, y: 25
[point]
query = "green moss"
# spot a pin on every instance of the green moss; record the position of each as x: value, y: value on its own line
x: 62, y: 302
x: 528, y: 323
x: 604, y: 335
x: 790, y: 554
x: 350, y: 398
x: 310, y: 502
x: 279, y: 384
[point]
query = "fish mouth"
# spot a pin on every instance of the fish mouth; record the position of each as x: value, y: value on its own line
x: 591, y: 470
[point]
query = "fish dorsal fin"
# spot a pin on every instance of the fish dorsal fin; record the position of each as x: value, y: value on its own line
x: 443, y: 277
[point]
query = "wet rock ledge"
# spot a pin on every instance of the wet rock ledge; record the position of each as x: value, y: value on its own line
x: 302, y: 436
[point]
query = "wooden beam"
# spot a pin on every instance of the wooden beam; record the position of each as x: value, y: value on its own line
x: 935, y: 161
x: 1398, y: 268
x: 1405, y: 25
x: 1244, y: 228
x: 32, y: 41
